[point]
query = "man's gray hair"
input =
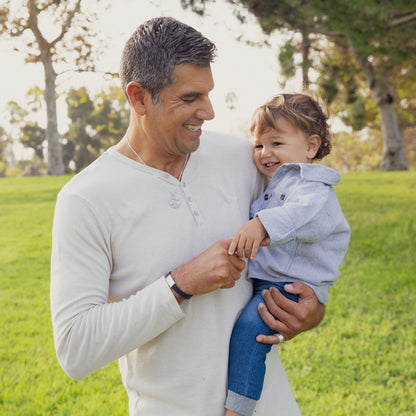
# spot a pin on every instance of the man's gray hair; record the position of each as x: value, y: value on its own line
x: 156, y: 47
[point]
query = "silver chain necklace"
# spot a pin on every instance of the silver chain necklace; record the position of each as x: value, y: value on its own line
x: 174, y: 202
x: 131, y: 148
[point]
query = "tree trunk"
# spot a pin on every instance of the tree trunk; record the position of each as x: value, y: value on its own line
x: 305, y: 47
x: 55, y: 164
x: 394, y: 153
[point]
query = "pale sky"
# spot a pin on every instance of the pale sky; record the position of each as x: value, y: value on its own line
x: 251, y: 73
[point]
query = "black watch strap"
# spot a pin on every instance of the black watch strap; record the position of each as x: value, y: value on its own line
x: 175, y: 287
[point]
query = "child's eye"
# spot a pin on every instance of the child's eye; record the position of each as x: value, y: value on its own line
x: 258, y: 147
x: 276, y: 143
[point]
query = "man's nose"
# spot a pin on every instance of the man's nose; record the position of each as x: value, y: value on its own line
x: 205, y: 111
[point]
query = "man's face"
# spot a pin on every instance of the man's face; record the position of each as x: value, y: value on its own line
x: 174, y: 125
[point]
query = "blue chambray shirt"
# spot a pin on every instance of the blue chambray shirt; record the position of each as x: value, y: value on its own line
x: 308, y: 230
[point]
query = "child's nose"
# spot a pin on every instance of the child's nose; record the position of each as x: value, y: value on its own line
x: 265, y: 151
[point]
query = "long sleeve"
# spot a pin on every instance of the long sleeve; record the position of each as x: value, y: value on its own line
x: 90, y: 332
x: 303, y: 216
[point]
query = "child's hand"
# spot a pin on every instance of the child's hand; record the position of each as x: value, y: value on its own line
x: 247, y: 240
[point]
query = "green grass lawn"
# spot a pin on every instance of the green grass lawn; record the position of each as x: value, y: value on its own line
x: 359, y: 361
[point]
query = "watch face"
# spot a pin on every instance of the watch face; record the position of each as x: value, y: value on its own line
x: 172, y: 285
x: 170, y: 280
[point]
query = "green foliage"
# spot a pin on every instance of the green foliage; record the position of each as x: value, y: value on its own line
x: 338, y: 84
x: 3, y: 145
x: 354, y: 115
x: 286, y: 60
x: 70, y: 47
x: 355, y: 152
x: 73, y: 33
x: 79, y: 104
x: 22, y: 127
x: 410, y: 140
x: 370, y: 25
x: 111, y: 116
x: 359, y: 361
x: 372, y: 41
x: 33, y: 137
x: 79, y: 148
x: 96, y: 124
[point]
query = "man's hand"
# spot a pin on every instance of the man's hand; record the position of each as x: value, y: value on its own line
x: 248, y: 239
x: 213, y: 269
x: 292, y: 317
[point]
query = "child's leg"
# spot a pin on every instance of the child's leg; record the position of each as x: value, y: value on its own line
x: 247, y: 356
x: 246, y: 367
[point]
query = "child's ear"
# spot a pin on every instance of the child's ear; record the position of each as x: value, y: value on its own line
x: 313, y: 143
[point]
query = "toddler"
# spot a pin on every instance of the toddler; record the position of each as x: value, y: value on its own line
x: 300, y: 214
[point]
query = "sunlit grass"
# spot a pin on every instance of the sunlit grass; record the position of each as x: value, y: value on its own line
x: 359, y: 361
x: 31, y: 380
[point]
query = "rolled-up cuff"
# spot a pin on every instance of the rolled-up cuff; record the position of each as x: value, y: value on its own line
x: 240, y: 404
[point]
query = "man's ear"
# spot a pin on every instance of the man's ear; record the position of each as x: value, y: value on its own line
x: 313, y: 143
x: 136, y: 94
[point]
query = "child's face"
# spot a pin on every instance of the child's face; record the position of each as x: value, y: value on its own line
x: 288, y: 144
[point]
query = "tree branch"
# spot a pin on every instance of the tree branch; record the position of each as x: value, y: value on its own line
x: 324, y: 32
x: 32, y: 24
x: 67, y: 23
x: 402, y: 20
x: 113, y: 74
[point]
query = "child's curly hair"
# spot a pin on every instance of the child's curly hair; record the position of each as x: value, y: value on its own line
x: 301, y: 110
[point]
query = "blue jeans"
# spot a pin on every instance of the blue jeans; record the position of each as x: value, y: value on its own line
x: 247, y: 367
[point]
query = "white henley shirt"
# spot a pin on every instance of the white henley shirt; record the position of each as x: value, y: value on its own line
x: 114, y: 237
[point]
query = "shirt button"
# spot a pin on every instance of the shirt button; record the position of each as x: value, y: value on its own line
x: 266, y: 197
x: 282, y: 197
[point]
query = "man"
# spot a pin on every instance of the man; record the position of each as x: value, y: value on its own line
x: 140, y: 244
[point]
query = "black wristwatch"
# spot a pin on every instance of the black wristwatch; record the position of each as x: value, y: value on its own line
x: 172, y: 284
